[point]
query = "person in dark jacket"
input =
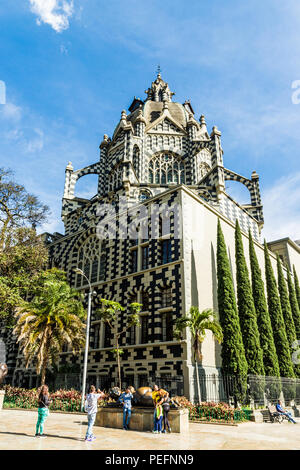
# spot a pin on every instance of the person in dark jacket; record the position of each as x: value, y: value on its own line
x: 43, y: 411
x: 166, y: 408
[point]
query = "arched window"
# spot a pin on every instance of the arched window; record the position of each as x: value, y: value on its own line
x: 115, y: 178
x: 144, y: 195
x: 91, y: 260
x: 166, y: 167
x: 203, y: 163
x: 136, y: 160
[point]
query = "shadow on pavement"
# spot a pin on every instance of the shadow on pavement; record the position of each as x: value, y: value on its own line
x: 46, y: 435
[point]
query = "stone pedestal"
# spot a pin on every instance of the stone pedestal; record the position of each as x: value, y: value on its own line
x: 141, y: 419
x: 2, y: 393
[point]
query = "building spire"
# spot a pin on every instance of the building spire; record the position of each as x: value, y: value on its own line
x: 159, y: 90
x: 158, y: 71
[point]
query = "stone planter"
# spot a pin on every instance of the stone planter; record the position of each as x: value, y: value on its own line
x: 141, y: 419
x: 2, y: 393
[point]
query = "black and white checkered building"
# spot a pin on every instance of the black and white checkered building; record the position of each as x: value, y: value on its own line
x: 149, y: 235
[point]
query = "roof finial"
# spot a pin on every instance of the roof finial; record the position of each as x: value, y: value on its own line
x: 158, y: 71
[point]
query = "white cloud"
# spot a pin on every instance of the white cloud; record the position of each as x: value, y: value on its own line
x: 56, y: 13
x: 35, y: 143
x: 281, y: 205
x: 11, y: 112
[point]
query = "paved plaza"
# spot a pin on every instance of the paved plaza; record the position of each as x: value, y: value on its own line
x: 67, y: 431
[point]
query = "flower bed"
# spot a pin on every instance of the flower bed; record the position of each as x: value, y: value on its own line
x: 212, y: 412
x: 62, y: 400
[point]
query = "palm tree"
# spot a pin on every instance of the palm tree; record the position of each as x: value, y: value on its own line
x: 109, y: 313
x: 52, y: 319
x: 198, y: 322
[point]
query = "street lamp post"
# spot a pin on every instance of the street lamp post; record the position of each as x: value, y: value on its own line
x: 79, y: 271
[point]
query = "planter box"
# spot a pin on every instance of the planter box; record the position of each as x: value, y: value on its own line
x: 2, y: 393
x: 141, y: 419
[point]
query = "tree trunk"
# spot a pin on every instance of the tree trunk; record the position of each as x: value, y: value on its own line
x: 198, y: 382
x: 119, y: 366
x: 43, y: 373
x: 45, y: 360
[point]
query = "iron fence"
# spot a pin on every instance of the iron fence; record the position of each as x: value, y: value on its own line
x: 255, y: 390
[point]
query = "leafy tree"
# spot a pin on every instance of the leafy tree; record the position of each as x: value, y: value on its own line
x: 233, y: 353
x: 109, y: 314
x: 294, y: 304
x: 23, y: 257
x: 270, y: 359
x: 198, y: 323
x: 18, y: 208
x: 297, y: 286
x: 277, y: 320
x: 51, y: 319
x: 246, y: 309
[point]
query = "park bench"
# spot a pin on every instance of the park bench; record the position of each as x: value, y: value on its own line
x: 275, y: 416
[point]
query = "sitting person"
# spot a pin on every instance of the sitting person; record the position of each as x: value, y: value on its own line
x: 284, y: 412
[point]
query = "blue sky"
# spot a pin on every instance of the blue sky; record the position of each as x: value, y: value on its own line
x: 70, y: 67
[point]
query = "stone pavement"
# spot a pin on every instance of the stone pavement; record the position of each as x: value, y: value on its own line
x: 67, y: 431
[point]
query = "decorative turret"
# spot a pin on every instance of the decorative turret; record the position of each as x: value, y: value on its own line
x: 159, y: 90
x: 192, y: 127
x: 68, y: 177
x: 140, y: 123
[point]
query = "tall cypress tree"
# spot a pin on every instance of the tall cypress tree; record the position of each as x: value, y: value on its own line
x: 246, y: 309
x: 286, y: 307
x: 294, y: 304
x: 270, y: 359
x: 233, y: 353
x: 277, y: 321
x: 297, y: 286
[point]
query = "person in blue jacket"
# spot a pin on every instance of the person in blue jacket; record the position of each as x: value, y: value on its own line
x: 126, y: 398
x: 284, y: 412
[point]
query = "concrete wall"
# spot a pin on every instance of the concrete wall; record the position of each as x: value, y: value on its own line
x: 200, y: 240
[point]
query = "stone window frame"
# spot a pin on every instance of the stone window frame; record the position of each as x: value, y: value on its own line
x: 90, y: 254
x: 166, y: 167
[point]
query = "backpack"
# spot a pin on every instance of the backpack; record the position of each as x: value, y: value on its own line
x: 86, y: 406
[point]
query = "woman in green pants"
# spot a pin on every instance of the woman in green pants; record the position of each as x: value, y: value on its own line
x: 43, y: 411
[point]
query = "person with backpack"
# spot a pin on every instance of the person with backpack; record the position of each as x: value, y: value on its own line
x: 43, y: 410
x: 91, y: 405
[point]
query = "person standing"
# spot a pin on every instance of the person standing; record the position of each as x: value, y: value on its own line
x: 157, y: 395
x: 43, y: 411
x: 166, y: 408
x: 126, y: 399
x: 91, y: 404
x: 158, y: 419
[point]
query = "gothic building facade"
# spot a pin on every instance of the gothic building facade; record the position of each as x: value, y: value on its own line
x: 149, y: 235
